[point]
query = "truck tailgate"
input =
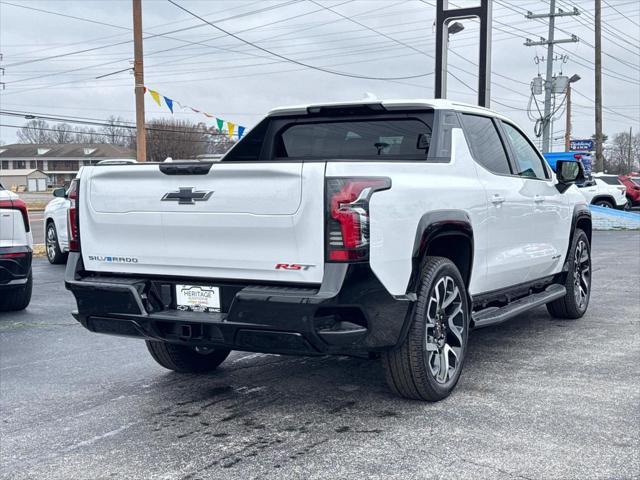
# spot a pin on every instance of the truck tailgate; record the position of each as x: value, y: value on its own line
x: 237, y: 221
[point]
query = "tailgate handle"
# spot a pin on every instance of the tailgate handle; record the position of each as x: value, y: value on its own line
x: 199, y: 168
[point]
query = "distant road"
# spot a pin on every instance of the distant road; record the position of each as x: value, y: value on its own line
x: 37, y: 226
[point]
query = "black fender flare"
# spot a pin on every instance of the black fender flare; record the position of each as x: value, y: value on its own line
x: 433, y: 225
x: 581, y: 213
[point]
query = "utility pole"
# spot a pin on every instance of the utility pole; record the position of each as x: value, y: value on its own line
x: 549, y: 42
x: 138, y: 74
x: 630, y: 142
x: 598, y: 81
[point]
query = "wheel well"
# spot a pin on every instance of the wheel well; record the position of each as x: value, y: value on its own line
x: 457, y: 247
x: 584, y: 224
x: 609, y: 199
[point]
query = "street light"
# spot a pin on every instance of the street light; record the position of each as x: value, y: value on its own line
x: 567, y: 128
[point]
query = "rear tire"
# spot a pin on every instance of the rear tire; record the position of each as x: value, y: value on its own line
x: 54, y: 254
x: 428, y: 363
x: 16, y: 299
x: 578, y: 282
x: 183, y: 359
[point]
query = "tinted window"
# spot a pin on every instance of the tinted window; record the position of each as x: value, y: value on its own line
x: 485, y: 143
x: 251, y: 144
x: 528, y: 163
x: 610, y: 180
x: 389, y: 138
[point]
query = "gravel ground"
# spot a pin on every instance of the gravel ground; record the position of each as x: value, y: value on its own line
x: 539, y: 398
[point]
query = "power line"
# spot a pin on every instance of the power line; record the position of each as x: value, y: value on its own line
x: 313, y: 67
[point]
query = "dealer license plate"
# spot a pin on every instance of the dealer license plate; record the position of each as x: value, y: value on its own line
x: 197, y: 298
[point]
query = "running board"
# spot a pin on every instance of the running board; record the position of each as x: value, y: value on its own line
x: 495, y: 315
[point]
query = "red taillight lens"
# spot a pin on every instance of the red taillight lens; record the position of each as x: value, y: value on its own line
x: 17, y: 204
x: 347, y: 206
x: 73, y: 227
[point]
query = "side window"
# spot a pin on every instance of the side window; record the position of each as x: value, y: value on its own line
x: 485, y: 144
x: 528, y: 162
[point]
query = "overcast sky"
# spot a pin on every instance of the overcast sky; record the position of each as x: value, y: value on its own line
x: 197, y: 65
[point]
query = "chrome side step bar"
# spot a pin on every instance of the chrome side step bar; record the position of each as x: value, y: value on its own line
x: 495, y: 315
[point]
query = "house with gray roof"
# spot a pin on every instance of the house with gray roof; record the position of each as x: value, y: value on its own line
x: 60, y: 162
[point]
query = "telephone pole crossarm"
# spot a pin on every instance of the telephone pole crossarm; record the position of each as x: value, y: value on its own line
x: 543, y: 41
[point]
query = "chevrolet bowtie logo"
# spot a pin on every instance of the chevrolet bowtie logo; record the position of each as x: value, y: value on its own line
x: 187, y: 196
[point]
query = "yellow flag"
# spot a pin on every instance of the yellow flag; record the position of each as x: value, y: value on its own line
x: 156, y: 96
x: 231, y: 127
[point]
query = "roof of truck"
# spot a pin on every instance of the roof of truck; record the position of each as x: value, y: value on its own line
x: 391, y: 104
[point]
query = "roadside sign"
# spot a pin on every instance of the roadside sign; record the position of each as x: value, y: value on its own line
x: 581, y: 145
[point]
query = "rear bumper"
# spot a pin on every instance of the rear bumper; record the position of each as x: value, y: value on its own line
x: 350, y: 313
x: 15, y: 265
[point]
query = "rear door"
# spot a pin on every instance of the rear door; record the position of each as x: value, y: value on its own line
x: 549, y: 229
x: 509, y: 214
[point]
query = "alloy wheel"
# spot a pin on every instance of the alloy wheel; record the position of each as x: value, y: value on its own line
x: 51, y: 242
x: 581, y: 274
x: 445, y: 330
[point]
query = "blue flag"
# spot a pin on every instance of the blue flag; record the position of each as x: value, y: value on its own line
x: 240, y: 132
x: 169, y: 103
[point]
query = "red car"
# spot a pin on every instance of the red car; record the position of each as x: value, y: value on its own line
x: 632, y: 182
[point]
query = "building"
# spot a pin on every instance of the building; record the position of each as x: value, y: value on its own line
x: 60, y: 162
x: 24, y: 180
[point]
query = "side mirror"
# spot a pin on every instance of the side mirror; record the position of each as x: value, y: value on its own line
x: 568, y: 172
x: 424, y: 141
x: 59, y: 192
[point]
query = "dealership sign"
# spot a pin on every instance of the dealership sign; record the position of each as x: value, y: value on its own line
x: 581, y: 145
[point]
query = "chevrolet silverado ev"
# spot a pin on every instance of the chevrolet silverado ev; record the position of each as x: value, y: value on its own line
x: 384, y: 229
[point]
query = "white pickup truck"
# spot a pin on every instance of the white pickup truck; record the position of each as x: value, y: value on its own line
x: 377, y: 229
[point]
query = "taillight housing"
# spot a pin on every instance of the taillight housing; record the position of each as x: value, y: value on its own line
x: 73, y: 225
x: 17, y: 204
x: 347, y: 217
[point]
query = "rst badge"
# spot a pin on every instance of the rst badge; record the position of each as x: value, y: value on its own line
x: 293, y: 266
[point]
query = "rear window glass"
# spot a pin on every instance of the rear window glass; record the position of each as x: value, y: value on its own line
x: 388, y: 138
x: 610, y: 180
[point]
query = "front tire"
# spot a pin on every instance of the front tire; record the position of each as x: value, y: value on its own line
x: 604, y: 203
x: 183, y: 359
x: 17, y: 298
x: 54, y: 254
x: 578, y: 282
x: 428, y: 363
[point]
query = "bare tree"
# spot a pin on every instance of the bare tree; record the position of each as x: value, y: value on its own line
x: 179, y: 139
x: 63, y: 133
x: 618, y: 159
x: 117, y: 134
x: 35, y: 131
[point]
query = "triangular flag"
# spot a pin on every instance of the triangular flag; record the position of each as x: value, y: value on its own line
x: 240, y: 132
x: 156, y: 97
x: 231, y: 127
x: 169, y: 103
x: 220, y: 123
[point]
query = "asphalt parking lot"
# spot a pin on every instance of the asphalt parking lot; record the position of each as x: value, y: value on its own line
x: 539, y: 398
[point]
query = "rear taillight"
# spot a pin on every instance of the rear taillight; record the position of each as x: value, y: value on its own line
x: 347, y: 206
x: 17, y: 204
x: 73, y: 226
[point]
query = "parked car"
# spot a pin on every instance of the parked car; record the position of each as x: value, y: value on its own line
x: 16, y: 242
x: 55, y: 227
x: 381, y: 228
x: 632, y: 186
x: 601, y: 193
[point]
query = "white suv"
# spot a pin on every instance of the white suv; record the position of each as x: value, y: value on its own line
x: 55, y: 227
x: 15, y: 252
x: 380, y: 228
x: 599, y: 192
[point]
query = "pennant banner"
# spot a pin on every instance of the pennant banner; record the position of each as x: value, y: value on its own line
x: 232, y: 128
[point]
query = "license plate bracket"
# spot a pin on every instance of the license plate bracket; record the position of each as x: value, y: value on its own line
x: 197, y: 298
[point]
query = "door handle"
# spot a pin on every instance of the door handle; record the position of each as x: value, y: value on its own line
x: 497, y: 199
x: 538, y: 198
